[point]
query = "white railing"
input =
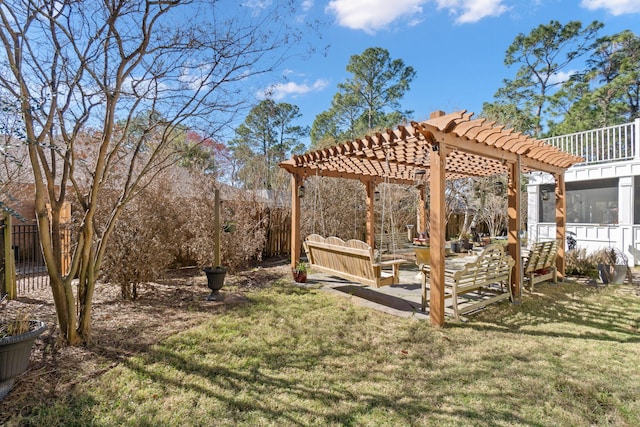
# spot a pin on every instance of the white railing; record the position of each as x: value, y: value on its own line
x: 613, y: 143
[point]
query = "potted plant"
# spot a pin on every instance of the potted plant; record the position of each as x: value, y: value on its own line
x: 16, y: 341
x: 300, y: 272
x: 612, y: 265
x: 467, y: 240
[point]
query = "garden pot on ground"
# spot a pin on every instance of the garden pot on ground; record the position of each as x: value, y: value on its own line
x: 299, y: 276
x: 456, y: 247
x: 15, y: 352
x: 619, y: 273
x: 215, y: 281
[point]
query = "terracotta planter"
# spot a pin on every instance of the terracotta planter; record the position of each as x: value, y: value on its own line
x: 15, y: 352
x: 299, y: 276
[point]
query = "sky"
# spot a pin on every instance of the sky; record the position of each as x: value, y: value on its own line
x: 457, y: 47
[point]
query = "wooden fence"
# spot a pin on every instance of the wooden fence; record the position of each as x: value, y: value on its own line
x: 278, y: 242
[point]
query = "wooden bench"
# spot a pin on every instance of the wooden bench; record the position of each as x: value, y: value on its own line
x: 352, y: 260
x: 539, y: 263
x: 489, y: 275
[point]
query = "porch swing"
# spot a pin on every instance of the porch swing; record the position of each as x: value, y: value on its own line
x: 387, y: 236
x: 352, y: 260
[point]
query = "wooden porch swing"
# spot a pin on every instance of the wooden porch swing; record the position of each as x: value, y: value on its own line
x: 447, y: 146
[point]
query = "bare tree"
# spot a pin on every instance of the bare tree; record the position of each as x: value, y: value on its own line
x: 107, y: 90
x: 494, y: 213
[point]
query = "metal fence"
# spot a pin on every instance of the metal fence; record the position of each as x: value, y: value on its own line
x: 21, y: 262
x: 31, y: 272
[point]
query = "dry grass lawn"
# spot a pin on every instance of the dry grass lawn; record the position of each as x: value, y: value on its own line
x: 285, y: 355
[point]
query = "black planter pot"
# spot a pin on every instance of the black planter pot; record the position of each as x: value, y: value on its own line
x: 15, y: 352
x: 215, y: 281
x: 604, y: 272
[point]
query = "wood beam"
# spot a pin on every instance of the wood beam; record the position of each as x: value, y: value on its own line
x: 437, y: 225
x: 313, y: 171
x: 296, y: 241
x: 513, y: 240
x: 472, y: 147
x: 370, y: 187
x: 561, y: 219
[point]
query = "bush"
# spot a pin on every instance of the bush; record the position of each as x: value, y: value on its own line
x: 243, y: 216
x: 578, y: 263
x: 142, y: 244
x: 171, y: 224
x: 581, y: 263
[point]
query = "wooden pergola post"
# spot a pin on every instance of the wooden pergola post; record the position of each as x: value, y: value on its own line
x: 437, y: 232
x: 513, y: 243
x: 561, y: 218
x: 296, y: 241
x: 370, y: 186
x: 9, y: 286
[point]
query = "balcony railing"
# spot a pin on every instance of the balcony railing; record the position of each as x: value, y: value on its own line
x: 613, y: 143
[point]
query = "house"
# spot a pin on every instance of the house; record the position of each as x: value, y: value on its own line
x: 602, y: 193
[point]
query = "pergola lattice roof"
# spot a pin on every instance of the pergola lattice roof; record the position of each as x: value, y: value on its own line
x: 479, y: 148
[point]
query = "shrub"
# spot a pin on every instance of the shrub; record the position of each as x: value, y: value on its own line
x: 142, y: 244
x: 171, y: 224
x: 578, y: 263
x: 244, y: 240
x: 581, y: 263
x: 240, y: 211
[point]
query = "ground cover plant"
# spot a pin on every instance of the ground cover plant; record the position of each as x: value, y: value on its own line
x: 288, y: 355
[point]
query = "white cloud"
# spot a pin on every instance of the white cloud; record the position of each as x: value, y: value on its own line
x: 257, y: 6
x: 561, y: 77
x: 305, y: 6
x: 469, y: 11
x: 371, y: 15
x: 194, y: 77
x: 615, y: 7
x: 280, y: 90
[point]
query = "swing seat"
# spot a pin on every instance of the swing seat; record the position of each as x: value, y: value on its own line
x: 352, y: 260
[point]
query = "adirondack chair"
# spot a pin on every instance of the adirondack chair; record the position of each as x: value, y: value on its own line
x: 540, y: 263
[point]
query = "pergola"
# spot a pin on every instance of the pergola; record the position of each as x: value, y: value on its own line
x: 445, y: 147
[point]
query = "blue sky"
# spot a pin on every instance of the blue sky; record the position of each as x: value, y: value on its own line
x: 457, y: 47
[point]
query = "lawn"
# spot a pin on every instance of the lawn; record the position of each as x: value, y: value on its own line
x: 567, y: 356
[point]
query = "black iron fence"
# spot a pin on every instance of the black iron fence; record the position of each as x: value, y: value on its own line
x: 31, y: 272
x: 21, y: 262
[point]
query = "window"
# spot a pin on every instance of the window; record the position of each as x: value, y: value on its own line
x: 547, y: 203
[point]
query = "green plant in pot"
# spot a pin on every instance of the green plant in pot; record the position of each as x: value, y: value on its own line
x: 17, y: 336
x: 300, y: 272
